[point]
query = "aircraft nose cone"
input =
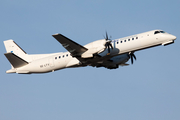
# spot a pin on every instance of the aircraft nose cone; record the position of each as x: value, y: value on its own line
x: 173, y: 37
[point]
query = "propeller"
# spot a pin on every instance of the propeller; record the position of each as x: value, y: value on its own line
x: 108, y: 43
x: 131, y: 55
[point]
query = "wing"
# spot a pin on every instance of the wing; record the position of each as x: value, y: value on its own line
x: 77, y: 50
x: 74, y: 48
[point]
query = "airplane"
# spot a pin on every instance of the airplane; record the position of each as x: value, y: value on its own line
x: 101, y: 53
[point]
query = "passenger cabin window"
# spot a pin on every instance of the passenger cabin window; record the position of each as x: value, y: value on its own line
x: 132, y: 38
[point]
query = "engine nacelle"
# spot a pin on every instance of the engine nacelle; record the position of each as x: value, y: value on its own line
x: 94, y: 47
x: 120, y: 59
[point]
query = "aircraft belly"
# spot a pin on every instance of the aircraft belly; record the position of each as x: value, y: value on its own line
x: 73, y: 62
x: 38, y: 66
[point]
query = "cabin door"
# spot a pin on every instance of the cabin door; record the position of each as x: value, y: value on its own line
x: 51, y: 62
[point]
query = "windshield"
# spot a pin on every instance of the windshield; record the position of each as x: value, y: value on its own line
x: 162, y: 32
x: 156, y: 32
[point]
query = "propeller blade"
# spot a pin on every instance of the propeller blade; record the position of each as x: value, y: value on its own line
x: 107, y: 36
x: 108, y: 49
x: 108, y: 43
x: 131, y: 59
x: 134, y: 56
x: 111, y: 45
x: 131, y: 55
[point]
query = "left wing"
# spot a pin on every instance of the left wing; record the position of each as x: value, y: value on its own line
x: 74, y: 48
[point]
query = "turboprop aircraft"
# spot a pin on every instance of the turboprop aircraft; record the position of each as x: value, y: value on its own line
x: 101, y: 53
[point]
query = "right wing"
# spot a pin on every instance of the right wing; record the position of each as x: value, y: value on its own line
x: 74, y: 48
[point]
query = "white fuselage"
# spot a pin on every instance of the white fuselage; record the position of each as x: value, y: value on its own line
x: 56, y: 61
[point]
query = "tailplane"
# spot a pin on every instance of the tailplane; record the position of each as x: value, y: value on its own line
x: 15, y: 61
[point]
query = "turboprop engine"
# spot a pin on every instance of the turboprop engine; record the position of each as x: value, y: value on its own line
x: 95, y: 47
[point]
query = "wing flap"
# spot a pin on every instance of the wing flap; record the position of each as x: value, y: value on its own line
x: 74, y: 48
x: 15, y: 60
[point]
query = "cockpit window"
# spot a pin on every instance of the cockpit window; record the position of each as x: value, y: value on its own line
x: 156, y: 32
x: 162, y: 32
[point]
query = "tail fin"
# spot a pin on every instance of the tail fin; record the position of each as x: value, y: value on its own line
x: 16, y: 55
x: 12, y: 47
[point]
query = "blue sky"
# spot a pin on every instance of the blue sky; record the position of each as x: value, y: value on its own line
x: 148, y: 89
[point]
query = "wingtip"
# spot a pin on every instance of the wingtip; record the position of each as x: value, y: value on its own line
x: 56, y: 34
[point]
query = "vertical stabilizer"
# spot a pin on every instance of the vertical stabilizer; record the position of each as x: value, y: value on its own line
x: 12, y: 47
x: 15, y: 54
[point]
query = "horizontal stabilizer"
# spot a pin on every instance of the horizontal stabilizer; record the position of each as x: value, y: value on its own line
x: 15, y: 61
